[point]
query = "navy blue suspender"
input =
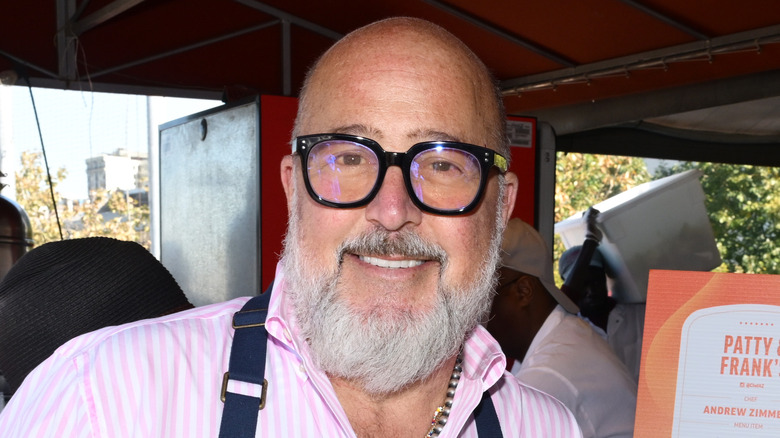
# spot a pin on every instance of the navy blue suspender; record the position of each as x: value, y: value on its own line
x: 247, y: 364
x: 486, y: 418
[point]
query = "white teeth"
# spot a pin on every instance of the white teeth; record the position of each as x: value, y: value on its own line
x: 382, y: 263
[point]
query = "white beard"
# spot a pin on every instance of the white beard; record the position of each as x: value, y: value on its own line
x: 384, y: 350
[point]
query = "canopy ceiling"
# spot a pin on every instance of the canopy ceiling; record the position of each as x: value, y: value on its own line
x: 580, y: 65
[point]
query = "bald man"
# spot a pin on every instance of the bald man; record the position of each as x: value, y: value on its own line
x: 398, y: 193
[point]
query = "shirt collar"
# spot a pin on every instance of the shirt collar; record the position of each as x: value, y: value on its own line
x: 552, y: 321
x: 483, y: 359
x: 280, y: 322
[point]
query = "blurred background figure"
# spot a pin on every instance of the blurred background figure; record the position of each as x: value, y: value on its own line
x: 16, y: 236
x: 593, y: 296
x: 621, y: 323
x: 63, y: 289
x: 555, y: 350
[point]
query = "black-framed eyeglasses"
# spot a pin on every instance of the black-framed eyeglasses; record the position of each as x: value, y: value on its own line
x: 441, y: 177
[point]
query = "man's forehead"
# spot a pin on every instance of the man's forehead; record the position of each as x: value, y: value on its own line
x: 420, y: 106
x: 424, y: 83
x: 388, y: 50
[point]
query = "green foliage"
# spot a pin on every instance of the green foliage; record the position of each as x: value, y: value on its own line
x: 107, y: 214
x: 743, y: 203
x: 582, y: 180
x: 32, y: 193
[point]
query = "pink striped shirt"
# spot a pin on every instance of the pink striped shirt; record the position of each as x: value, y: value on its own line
x: 162, y: 378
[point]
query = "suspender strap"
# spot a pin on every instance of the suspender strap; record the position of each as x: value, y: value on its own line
x: 247, y: 364
x: 486, y: 418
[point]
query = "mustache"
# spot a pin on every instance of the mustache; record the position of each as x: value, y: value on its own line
x: 380, y: 242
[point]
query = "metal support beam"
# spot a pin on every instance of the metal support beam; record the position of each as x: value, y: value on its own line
x: 184, y: 49
x: 66, y: 40
x: 608, y: 112
x: 284, y: 16
x: 750, y: 40
x: 549, y: 54
x: 102, y: 15
x: 666, y: 19
x: 663, y: 143
x: 286, y: 59
x: 102, y: 87
x: 25, y: 64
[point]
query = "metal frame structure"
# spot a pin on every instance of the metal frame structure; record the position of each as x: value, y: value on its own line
x: 78, y: 21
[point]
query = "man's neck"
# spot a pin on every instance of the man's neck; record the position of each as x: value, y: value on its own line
x: 404, y: 413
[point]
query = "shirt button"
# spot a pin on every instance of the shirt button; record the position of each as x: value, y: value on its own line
x: 287, y: 335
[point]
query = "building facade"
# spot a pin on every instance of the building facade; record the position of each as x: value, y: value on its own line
x: 120, y: 170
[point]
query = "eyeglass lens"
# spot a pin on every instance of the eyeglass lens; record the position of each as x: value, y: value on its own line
x: 443, y: 178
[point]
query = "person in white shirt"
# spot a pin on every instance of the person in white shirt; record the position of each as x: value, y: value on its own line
x: 621, y: 324
x: 555, y: 350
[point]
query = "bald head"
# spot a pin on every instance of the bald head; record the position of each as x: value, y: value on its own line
x: 398, y: 62
x: 400, y: 82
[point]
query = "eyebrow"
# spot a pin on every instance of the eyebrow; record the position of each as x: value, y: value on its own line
x: 432, y: 135
x: 415, y: 136
x: 359, y: 130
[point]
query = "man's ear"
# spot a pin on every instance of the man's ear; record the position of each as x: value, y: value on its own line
x: 524, y: 290
x: 510, y: 195
x: 287, y: 174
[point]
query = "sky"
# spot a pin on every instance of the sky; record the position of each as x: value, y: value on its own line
x: 76, y: 125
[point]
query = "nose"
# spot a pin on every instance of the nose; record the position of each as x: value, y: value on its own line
x: 392, y: 208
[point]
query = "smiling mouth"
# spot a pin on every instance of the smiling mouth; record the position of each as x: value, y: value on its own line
x: 392, y: 264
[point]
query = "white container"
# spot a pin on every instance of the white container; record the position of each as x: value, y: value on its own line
x: 662, y: 224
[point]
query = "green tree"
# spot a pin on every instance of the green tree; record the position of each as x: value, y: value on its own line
x: 583, y: 180
x: 107, y: 214
x: 32, y: 193
x: 743, y: 205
